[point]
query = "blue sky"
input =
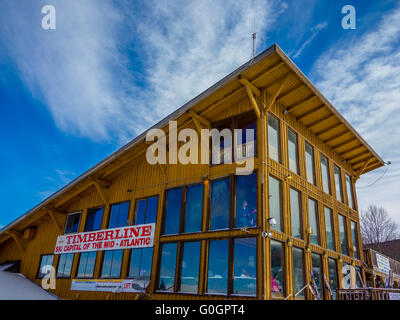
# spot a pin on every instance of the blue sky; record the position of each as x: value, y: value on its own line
x: 71, y: 96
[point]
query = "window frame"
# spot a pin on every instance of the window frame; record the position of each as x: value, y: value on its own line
x: 281, y: 202
x: 130, y: 260
x: 58, y: 265
x: 297, y: 151
x: 38, y: 273
x: 102, y: 264
x: 340, y: 183
x: 284, y: 270
x: 110, y: 213
x: 136, y: 207
x: 303, y: 262
x: 332, y: 223
x: 301, y: 212
x: 329, y: 192
x: 346, y: 235
x: 79, y: 261
x: 318, y: 218
x: 66, y: 220
x: 279, y: 133
x: 312, y: 162
x: 86, y: 218
x: 350, y: 192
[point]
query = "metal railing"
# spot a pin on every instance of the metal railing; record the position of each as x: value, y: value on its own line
x: 368, y: 294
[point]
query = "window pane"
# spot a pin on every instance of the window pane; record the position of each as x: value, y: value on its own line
x: 246, y: 201
x: 65, y: 265
x: 358, y: 277
x: 244, y: 266
x: 173, y: 211
x: 72, y: 222
x: 46, y: 260
x: 190, y: 267
x: 217, y: 277
x: 338, y: 184
x: 313, y: 220
x: 140, y: 211
x: 325, y: 174
x: 354, y: 235
x: 140, y: 265
x: 94, y: 219
x: 333, y: 281
x: 349, y: 189
x: 119, y: 215
x: 112, y: 261
x: 151, y: 210
x: 167, y: 269
x: 194, y: 208
x: 292, y: 151
x: 298, y: 272
x: 86, y: 264
x: 248, y: 146
x: 220, y: 204
x: 295, y: 213
x: 275, y: 202
x: 277, y: 263
x: 310, y: 163
x: 330, y: 242
x: 343, y: 235
x: 273, y: 138
x: 317, y: 272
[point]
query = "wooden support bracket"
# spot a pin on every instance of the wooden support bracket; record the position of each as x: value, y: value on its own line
x: 361, y: 170
x: 52, y: 213
x: 278, y: 90
x: 16, y: 239
x: 201, y: 119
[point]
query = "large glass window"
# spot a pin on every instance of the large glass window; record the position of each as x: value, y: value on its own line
x: 354, y: 236
x: 295, y: 213
x: 217, y: 276
x: 167, y: 267
x: 140, y: 264
x: 193, y: 208
x: 246, y: 200
x: 273, y: 138
x: 45, y: 260
x: 275, y: 202
x: 220, y: 204
x: 349, y: 189
x: 326, y: 184
x: 330, y: 239
x: 87, y: 261
x: 119, y: 215
x: 190, y: 267
x: 146, y: 210
x: 313, y: 220
x: 244, y: 266
x: 72, y: 222
x: 112, y: 261
x: 173, y: 211
x: 277, y: 263
x: 317, y: 272
x: 292, y: 151
x: 338, y: 183
x: 248, y: 146
x: 93, y: 219
x: 65, y: 265
x: 310, y: 163
x: 343, y: 235
x: 333, y: 278
x: 298, y: 273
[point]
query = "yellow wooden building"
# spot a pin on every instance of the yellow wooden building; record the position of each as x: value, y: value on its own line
x: 214, y: 236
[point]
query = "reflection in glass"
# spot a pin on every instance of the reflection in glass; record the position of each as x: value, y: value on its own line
x: 295, y: 213
x: 167, y: 268
x: 65, y: 265
x: 119, y: 215
x: 273, y: 138
x: 275, y: 202
x: 112, y: 262
x: 220, y: 204
x: 325, y: 174
x: 292, y: 151
x: 217, y: 277
x: 277, y: 263
x: 317, y: 272
x: 146, y: 210
x: 46, y: 260
x: 343, y: 235
x: 349, y: 189
x: 244, y: 266
x: 338, y: 183
x: 87, y: 261
x: 246, y: 201
x: 140, y: 265
x: 354, y: 235
x: 190, y: 267
x: 194, y: 208
x: 94, y: 219
x: 330, y: 242
x: 72, y: 222
x: 333, y: 281
x: 298, y: 272
x: 313, y: 220
x: 173, y: 211
x: 310, y: 163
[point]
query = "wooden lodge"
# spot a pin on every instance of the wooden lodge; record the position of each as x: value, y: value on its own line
x: 214, y: 235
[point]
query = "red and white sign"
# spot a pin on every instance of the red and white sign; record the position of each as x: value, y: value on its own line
x: 139, y: 236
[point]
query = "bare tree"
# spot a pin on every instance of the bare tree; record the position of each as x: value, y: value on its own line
x: 377, y: 226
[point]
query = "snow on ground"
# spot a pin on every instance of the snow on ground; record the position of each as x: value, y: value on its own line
x: 15, y: 286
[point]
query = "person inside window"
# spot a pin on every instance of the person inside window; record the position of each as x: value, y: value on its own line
x: 244, y: 215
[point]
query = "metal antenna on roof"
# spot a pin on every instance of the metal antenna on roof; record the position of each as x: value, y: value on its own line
x: 254, y: 35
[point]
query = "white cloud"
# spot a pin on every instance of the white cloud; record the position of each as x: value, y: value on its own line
x: 315, y: 30
x: 83, y: 70
x: 362, y: 79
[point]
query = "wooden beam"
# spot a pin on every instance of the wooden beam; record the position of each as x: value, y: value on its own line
x: 290, y: 91
x: 361, y: 161
x: 342, y: 144
x: 300, y: 103
x: 100, y: 191
x: 318, y: 122
x: 341, y: 135
x: 52, y: 216
x: 335, y: 126
x: 253, y: 102
x: 271, y: 101
x: 203, y: 120
x: 246, y: 82
x: 360, y: 171
x: 103, y: 183
x: 350, y: 150
x: 16, y: 239
x: 366, y: 152
x: 310, y: 112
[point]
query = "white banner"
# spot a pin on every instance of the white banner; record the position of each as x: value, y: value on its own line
x: 111, y: 285
x: 139, y: 236
x: 383, y: 263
